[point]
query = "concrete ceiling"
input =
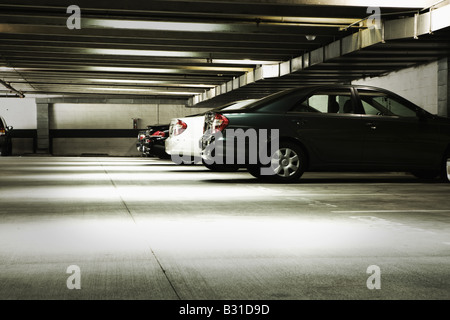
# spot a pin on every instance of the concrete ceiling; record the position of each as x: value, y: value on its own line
x: 187, y: 49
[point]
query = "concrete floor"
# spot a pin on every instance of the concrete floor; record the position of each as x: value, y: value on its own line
x: 142, y: 228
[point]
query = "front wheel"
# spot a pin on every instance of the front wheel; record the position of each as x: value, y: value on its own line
x: 445, y: 172
x: 286, y: 165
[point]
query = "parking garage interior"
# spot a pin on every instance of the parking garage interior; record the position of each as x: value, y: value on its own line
x: 80, y: 79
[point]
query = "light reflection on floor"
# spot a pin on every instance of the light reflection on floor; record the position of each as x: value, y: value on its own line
x: 221, y: 235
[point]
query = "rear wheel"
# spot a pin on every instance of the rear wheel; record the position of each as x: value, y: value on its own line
x: 426, y: 174
x: 163, y: 156
x: 254, y: 170
x: 181, y: 159
x: 286, y: 165
x: 6, y: 149
x: 445, y: 172
x: 220, y: 167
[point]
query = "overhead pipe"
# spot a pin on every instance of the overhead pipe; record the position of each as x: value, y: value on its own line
x: 8, y: 86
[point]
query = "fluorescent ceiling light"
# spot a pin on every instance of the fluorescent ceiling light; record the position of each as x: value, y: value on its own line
x: 143, y: 70
x: 205, y: 27
x: 144, y: 53
x: 176, y: 69
x: 165, y: 83
x: 244, y: 61
x: 154, y: 25
x: 175, y: 54
x: 311, y: 20
x: 213, y: 68
x: 143, y: 90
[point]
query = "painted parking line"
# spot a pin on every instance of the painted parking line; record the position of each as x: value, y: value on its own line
x: 388, y: 211
x: 390, y: 224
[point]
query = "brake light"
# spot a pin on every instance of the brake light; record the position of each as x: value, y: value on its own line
x: 179, y: 127
x: 2, y: 131
x: 219, y: 123
x: 159, y: 134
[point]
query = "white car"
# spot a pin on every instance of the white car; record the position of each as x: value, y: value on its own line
x: 185, y: 134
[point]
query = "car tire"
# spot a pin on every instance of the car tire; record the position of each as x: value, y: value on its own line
x: 182, y: 160
x: 289, y: 163
x: 221, y: 167
x: 445, y: 171
x: 426, y: 174
x: 163, y: 156
x: 254, y: 170
x: 6, y: 150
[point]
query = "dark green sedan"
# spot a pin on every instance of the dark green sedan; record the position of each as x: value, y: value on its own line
x: 329, y: 128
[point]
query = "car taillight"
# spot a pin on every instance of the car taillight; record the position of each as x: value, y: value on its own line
x: 2, y: 131
x: 219, y: 123
x: 179, y: 127
x: 159, y: 134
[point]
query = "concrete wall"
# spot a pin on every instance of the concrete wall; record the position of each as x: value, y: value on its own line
x: 115, y: 147
x: 21, y: 114
x: 108, y: 116
x: 113, y: 116
x: 418, y: 84
x: 444, y: 87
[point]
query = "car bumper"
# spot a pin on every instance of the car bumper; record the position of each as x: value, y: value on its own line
x: 216, y: 151
x: 184, y: 147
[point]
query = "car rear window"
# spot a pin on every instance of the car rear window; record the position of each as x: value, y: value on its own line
x: 280, y: 101
x: 239, y: 105
x: 379, y: 103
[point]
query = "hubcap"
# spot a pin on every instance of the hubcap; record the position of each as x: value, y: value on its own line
x: 285, y: 162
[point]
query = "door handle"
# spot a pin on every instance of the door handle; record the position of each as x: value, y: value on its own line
x: 299, y: 122
x: 371, y: 125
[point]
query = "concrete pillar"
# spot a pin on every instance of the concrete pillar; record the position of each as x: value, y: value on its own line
x: 444, y: 87
x: 43, y: 139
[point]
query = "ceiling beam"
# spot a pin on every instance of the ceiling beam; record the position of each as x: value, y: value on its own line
x: 328, y: 57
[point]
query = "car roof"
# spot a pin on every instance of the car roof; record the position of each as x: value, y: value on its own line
x: 336, y: 86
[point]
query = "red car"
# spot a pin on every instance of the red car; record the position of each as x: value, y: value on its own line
x: 151, y: 142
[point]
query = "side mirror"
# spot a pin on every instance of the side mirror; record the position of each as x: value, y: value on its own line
x: 10, y: 128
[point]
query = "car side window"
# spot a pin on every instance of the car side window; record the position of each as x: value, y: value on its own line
x: 326, y: 102
x: 380, y: 103
x: 369, y: 109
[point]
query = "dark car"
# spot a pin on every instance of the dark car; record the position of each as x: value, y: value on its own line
x: 151, y: 142
x: 5, y: 138
x: 330, y: 128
